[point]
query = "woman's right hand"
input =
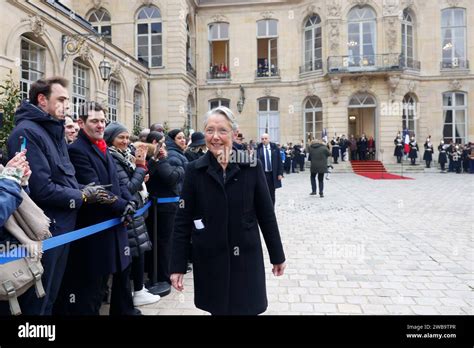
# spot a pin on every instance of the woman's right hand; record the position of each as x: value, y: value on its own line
x: 177, y: 281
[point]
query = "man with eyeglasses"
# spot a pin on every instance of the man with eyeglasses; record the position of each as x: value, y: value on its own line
x: 269, y: 155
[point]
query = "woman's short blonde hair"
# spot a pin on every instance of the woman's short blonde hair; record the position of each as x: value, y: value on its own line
x: 224, y: 111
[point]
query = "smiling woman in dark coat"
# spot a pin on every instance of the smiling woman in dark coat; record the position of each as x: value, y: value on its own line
x: 224, y: 202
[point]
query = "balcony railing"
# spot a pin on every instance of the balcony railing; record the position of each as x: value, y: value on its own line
x: 190, y: 69
x: 410, y: 63
x: 310, y: 66
x: 376, y: 62
x: 218, y: 75
x: 265, y: 72
x: 455, y: 63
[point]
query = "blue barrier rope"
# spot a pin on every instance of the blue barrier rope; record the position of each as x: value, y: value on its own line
x: 69, y: 237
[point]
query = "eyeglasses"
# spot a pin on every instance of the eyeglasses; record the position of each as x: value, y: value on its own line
x: 222, y: 131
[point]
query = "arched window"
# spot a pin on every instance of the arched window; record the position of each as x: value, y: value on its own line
x: 267, y: 48
x: 214, y: 103
x: 408, y: 40
x: 149, y: 37
x: 80, y: 85
x: 313, y: 118
x: 137, y: 109
x: 32, y: 64
x: 312, y: 44
x: 362, y: 100
x: 269, y: 118
x: 114, y: 100
x: 100, y: 20
x: 453, y: 33
x: 455, y: 117
x: 361, y: 43
x: 409, y: 114
x: 219, y: 51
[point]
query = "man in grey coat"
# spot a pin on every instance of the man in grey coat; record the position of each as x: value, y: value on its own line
x: 318, y: 155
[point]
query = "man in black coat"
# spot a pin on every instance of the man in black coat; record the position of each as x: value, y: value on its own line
x: 95, y: 257
x: 270, y: 157
x: 53, y: 186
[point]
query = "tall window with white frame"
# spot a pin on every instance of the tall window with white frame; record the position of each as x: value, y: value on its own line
x: 100, y: 20
x: 408, y: 40
x: 267, y: 48
x: 269, y: 118
x: 313, y: 118
x: 150, y: 37
x: 218, y: 51
x: 409, y: 114
x: 453, y: 32
x: 80, y: 86
x: 455, y: 117
x: 361, y: 43
x: 214, y: 103
x: 312, y: 44
x: 114, y: 100
x: 32, y: 64
x: 137, y: 109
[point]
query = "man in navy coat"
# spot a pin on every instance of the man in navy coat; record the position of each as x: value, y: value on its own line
x: 94, y: 258
x: 270, y: 157
x: 53, y: 186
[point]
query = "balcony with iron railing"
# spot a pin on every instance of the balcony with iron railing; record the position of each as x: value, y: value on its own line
x: 190, y: 69
x: 311, y: 66
x: 370, y: 63
x: 266, y: 73
x: 454, y: 63
x: 218, y: 75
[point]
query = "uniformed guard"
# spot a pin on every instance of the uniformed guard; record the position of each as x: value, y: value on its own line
x: 413, y: 151
x: 456, y: 156
x: 442, y: 157
x: 398, y: 152
x: 428, y: 155
x: 335, y: 148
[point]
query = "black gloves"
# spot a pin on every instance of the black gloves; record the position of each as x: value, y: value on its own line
x: 129, y: 212
x: 93, y: 193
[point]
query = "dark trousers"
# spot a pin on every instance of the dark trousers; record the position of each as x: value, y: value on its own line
x: 137, y: 273
x: 164, y: 230
x: 428, y: 164
x: 294, y: 164
x: 302, y: 158
x: 413, y: 160
x: 442, y: 165
x: 353, y: 155
x: 399, y: 159
x: 82, y: 295
x: 287, y: 165
x: 362, y: 155
x: 271, y: 185
x: 320, y: 181
x: 54, y: 264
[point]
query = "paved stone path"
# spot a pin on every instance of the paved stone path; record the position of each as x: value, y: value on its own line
x: 368, y: 247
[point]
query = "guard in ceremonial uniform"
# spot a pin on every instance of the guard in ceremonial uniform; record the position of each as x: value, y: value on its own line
x: 398, y: 152
x: 456, y: 158
x: 442, y: 157
x: 428, y: 155
x: 413, y: 151
x: 335, y: 148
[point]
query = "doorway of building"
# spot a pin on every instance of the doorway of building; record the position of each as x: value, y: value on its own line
x: 362, y: 120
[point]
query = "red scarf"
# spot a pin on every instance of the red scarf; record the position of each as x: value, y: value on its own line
x: 99, y: 143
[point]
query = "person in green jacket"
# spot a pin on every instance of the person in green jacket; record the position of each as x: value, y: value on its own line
x: 318, y: 155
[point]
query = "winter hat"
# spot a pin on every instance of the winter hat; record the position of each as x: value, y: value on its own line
x: 112, y: 130
x: 173, y: 133
x: 197, y: 139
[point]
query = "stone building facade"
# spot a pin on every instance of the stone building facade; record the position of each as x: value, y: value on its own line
x: 292, y: 68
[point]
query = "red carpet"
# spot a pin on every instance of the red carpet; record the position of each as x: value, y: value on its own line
x: 374, y: 170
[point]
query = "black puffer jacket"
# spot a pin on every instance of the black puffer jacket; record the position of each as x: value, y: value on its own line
x: 176, y: 158
x: 138, y: 238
